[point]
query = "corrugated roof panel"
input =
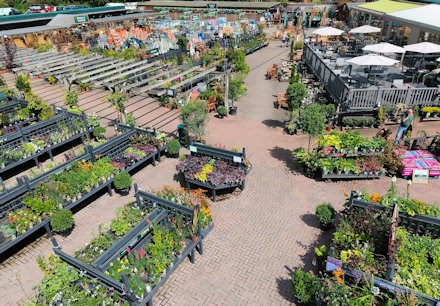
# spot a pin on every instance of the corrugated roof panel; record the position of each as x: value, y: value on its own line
x: 388, y: 6
x: 426, y: 16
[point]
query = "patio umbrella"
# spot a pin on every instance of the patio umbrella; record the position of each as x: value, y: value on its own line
x: 384, y: 48
x: 423, y: 47
x: 372, y: 60
x: 328, y: 31
x: 365, y: 29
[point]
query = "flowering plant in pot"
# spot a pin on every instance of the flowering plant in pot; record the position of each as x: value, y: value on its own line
x: 122, y: 182
x: 326, y: 214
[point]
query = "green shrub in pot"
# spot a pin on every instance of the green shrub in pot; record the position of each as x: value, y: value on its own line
x: 61, y: 220
x: 173, y: 147
x: 325, y: 213
x: 122, y: 181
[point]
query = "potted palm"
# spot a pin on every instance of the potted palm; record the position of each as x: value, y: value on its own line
x: 122, y: 182
x: 326, y: 214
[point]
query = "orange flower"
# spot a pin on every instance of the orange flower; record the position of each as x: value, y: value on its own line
x: 375, y: 198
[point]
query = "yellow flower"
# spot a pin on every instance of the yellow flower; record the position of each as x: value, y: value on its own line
x: 111, y: 264
x: 106, y: 272
x: 126, y: 260
x: 119, y: 270
x: 118, y: 259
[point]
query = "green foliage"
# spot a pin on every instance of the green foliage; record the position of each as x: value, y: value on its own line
x: 51, y: 79
x: 23, y: 84
x: 418, y: 260
x: 122, y: 180
x: 239, y: 62
x: 99, y: 132
x: 117, y: 99
x: 130, y: 53
x: 127, y: 218
x: 321, y: 255
x: 305, y: 286
x: 295, y: 76
x: 61, y: 220
x: 221, y: 109
x: 70, y: 98
x: 42, y: 48
x: 173, y: 146
x: 194, y: 116
x: 131, y: 119
x: 312, y: 120
x: 11, y: 93
x: 46, y: 113
x: 296, y: 92
x: 182, y: 42
x: 325, y: 213
x: 236, y: 87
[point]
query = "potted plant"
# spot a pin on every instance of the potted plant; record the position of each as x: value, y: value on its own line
x: 326, y: 214
x: 122, y: 182
x: 11, y: 93
x: 99, y: 132
x: 221, y: 110
x: 61, y: 221
x: 51, y: 79
x: 173, y: 148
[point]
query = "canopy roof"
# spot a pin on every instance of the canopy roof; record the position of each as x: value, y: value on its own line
x: 372, y: 60
x: 388, y: 6
x: 328, y: 31
x: 426, y: 16
x: 384, y: 48
x: 423, y: 47
x: 365, y: 29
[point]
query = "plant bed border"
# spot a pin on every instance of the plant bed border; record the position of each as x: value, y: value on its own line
x: 135, y: 238
x: 26, y: 184
x: 21, y: 134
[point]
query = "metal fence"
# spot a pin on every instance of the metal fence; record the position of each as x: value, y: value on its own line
x: 365, y: 98
x: 333, y: 84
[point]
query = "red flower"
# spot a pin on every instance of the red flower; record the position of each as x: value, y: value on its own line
x: 128, y: 250
x: 141, y: 252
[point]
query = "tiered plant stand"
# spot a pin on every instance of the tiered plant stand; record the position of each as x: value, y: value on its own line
x: 11, y: 200
x: 420, y: 225
x: 13, y: 141
x: 159, y: 211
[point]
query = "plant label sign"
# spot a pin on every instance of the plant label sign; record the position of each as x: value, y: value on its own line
x: 333, y: 263
x: 193, y: 149
x: 237, y: 159
x: 420, y: 176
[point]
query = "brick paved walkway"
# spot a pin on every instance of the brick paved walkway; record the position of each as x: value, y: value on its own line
x: 259, y: 235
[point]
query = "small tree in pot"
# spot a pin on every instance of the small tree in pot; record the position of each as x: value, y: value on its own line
x: 173, y: 148
x: 326, y: 214
x: 122, y: 182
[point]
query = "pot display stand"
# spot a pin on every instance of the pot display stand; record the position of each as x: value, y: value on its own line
x: 159, y: 210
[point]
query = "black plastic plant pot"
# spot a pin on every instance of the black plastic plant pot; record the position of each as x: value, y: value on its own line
x: 233, y: 111
x: 326, y: 227
x: 124, y: 191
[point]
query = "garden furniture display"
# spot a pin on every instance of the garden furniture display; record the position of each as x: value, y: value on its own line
x: 27, y: 207
x: 214, y: 169
x: 139, y: 256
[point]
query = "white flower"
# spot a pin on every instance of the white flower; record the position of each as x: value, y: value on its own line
x: 409, y: 182
x: 394, y: 179
x: 375, y: 290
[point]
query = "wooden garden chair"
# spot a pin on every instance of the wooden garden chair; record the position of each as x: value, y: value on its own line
x: 281, y: 100
x: 210, y: 104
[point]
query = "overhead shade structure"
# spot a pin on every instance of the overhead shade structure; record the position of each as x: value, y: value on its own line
x: 384, y: 48
x: 372, y: 60
x: 328, y: 31
x: 423, y: 47
x: 365, y: 29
